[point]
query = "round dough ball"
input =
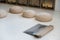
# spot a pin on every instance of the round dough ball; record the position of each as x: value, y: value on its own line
x: 3, y: 13
x: 29, y: 13
x: 16, y: 9
x: 44, y: 17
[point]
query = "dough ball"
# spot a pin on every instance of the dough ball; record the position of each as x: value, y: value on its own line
x: 3, y: 13
x: 29, y: 13
x: 44, y: 17
x: 16, y: 9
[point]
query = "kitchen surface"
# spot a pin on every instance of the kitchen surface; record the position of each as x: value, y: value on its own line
x: 13, y: 26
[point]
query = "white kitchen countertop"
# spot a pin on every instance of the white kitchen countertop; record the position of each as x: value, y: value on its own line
x: 13, y: 26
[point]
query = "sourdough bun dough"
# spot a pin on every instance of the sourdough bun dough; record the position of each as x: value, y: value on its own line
x: 16, y: 9
x: 3, y: 13
x: 29, y: 13
x: 44, y: 17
